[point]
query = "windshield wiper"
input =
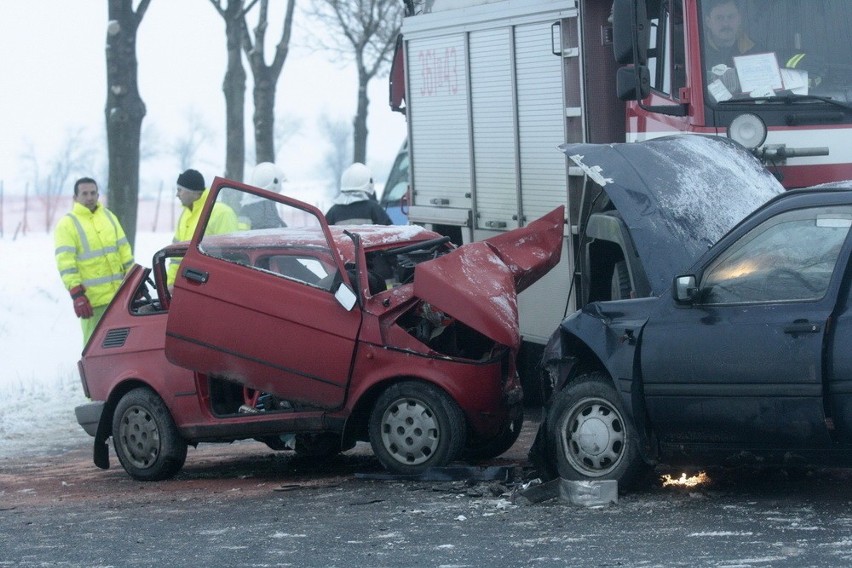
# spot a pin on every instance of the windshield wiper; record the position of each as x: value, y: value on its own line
x: 790, y: 98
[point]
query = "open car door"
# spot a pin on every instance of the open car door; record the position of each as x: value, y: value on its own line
x: 254, y: 298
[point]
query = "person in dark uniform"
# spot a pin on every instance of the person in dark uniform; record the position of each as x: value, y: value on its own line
x: 257, y: 212
x: 356, y: 204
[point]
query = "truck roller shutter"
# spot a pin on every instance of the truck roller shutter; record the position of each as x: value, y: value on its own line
x: 543, y: 168
x: 494, y: 141
x: 438, y: 113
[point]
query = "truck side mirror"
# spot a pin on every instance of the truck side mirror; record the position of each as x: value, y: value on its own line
x: 630, y: 25
x: 685, y: 290
x: 632, y: 83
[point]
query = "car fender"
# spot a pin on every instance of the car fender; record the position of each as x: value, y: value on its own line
x: 104, y: 429
x: 606, y: 335
x: 474, y: 385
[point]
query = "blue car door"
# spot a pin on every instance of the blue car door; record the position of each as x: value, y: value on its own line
x: 743, y: 364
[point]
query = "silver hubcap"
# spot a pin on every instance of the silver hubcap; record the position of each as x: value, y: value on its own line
x: 410, y: 431
x: 593, y: 438
x: 139, y: 436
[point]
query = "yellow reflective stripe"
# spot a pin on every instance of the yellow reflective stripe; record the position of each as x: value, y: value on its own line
x: 97, y: 253
x: 91, y: 282
x: 84, y: 242
x: 795, y: 60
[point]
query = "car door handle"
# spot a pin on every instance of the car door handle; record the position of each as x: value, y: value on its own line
x: 802, y: 327
x: 199, y: 276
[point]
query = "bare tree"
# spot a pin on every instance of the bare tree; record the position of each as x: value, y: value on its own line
x: 266, y: 78
x: 72, y: 160
x: 338, y: 133
x: 124, y: 110
x: 367, y: 33
x: 286, y: 127
x: 150, y: 144
x: 194, y: 134
x: 234, y: 84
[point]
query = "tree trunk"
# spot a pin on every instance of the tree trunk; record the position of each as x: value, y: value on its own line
x: 359, y: 126
x: 234, y: 87
x: 124, y: 112
x: 264, y: 115
x: 266, y: 79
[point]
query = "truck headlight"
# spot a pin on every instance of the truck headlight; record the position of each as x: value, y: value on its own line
x: 749, y: 130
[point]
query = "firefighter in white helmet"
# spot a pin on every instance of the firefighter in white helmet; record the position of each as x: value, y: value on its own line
x: 258, y: 212
x: 356, y: 204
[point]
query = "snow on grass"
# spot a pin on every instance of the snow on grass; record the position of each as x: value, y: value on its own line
x: 40, y: 343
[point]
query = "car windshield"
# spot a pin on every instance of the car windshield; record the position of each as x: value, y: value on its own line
x: 755, y: 49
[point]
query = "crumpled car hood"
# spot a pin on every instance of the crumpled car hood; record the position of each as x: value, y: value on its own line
x: 478, y: 283
x: 677, y: 195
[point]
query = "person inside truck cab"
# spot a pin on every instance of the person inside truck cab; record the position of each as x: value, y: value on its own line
x: 724, y: 39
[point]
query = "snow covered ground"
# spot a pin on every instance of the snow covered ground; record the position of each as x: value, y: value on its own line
x: 40, y: 343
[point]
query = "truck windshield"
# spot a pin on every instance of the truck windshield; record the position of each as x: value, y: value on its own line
x: 759, y: 49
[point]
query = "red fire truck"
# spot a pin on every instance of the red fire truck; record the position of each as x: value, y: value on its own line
x: 491, y: 88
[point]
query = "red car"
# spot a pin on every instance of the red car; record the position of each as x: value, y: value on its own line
x: 310, y: 337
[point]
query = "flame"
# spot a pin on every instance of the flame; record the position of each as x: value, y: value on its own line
x: 684, y: 481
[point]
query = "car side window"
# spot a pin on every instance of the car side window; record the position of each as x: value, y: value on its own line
x: 786, y: 258
x: 279, y: 239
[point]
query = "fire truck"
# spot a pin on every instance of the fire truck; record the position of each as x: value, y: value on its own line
x: 491, y: 88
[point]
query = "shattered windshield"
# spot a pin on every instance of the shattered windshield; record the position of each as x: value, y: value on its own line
x: 758, y: 49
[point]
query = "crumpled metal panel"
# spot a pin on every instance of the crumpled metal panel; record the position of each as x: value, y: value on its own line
x: 677, y: 194
x: 478, y: 283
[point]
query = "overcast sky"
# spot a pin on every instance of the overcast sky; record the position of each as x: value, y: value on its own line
x: 54, y: 83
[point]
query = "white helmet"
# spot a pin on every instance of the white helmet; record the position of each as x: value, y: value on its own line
x: 267, y: 175
x: 357, y: 177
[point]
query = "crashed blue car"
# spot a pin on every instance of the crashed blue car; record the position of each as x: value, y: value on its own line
x: 739, y: 354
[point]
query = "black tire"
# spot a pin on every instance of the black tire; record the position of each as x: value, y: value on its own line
x: 497, y: 445
x: 591, y: 435
x: 415, y: 426
x: 145, y: 437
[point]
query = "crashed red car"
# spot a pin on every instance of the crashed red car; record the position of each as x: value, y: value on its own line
x: 311, y: 338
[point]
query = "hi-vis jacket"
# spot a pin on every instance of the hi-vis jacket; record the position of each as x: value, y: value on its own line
x: 222, y: 220
x: 92, y: 250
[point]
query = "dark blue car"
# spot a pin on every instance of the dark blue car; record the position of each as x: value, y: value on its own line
x: 740, y: 356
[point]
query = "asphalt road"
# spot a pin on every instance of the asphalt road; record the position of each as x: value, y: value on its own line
x: 244, y: 505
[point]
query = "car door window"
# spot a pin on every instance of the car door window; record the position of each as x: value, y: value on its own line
x: 276, y: 238
x: 788, y: 257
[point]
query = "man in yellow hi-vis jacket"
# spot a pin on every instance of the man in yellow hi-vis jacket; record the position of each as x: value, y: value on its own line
x: 92, y: 254
x: 192, y: 193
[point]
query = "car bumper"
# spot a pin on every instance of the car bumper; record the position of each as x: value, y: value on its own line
x: 89, y: 416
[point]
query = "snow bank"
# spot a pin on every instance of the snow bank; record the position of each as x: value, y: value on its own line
x: 40, y: 343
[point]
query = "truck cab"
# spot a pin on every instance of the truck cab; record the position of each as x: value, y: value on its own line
x: 773, y: 75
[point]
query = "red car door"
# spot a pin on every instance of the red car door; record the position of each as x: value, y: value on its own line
x: 257, y: 305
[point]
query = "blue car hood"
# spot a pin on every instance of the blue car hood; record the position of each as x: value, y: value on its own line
x: 677, y: 195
